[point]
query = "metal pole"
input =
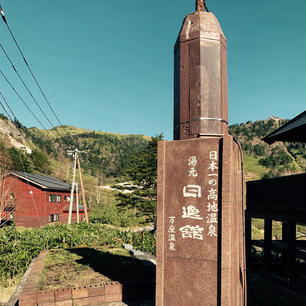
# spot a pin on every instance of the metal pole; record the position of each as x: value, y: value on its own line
x: 83, y: 193
x: 77, y: 202
x: 72, y: 187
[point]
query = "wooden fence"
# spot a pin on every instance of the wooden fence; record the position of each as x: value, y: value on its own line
x: 278, y: 199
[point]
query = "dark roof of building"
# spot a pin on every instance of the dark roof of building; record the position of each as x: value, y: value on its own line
x: 45, y: 182
x: 292, y: 131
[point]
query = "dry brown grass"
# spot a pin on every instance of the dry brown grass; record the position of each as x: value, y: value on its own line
x: 6, y: 290
x: 89, y: 266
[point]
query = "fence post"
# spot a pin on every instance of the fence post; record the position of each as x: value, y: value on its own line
x: 291, y: 249
x: 268, y: 245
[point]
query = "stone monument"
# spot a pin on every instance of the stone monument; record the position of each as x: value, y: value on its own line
x: 200, y: 214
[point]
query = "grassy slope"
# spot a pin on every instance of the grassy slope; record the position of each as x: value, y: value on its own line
x: 72, y: 130
x: 253, y: 170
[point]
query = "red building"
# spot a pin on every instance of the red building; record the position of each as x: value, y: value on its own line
x: 37, y: 200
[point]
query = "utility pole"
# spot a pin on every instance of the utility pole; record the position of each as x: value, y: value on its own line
x: 83, y: 193
x: 75, y: 154
x: 77, y: 202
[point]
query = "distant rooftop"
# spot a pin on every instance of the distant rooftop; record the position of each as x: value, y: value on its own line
x: 292, y: 131
x: 45, y: 182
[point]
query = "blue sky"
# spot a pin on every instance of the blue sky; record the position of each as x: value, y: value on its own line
x: 108, y: 65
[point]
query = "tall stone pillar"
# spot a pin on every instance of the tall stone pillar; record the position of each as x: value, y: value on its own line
x: 200, y: 215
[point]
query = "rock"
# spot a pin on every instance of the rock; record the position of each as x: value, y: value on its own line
x: 128, y: 247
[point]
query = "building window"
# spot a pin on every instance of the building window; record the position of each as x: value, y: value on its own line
x: 12, y: 196
x: 52, y: 198
x: 53, y: 218
x: 55, y: 198
x: 67, y: 198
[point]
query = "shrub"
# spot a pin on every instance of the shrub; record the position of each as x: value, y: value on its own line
x: 18, y: 249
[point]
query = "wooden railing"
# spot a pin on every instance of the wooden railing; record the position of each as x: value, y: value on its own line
x: 278, y: 199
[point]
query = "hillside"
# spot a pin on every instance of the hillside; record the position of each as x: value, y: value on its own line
x: 110, y: 160
x: 10, y: 136
x: 109, y: 153
x: 263, y: 160
x: 17, y: 153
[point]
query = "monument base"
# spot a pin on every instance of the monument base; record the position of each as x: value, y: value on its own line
x: 200, y: 223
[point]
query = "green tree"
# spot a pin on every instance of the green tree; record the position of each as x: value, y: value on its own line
x: 20, y: 160
x: 19, y: 125
x: 41, y: 162
x: 3, y: 117
x: 269, y: 174
x: 142, y: 170
x: 277, y: 158
x: 259, y: 150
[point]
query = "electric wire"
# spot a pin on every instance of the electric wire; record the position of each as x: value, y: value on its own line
x: 28, y: 108
x: 20, y: 131
x: 204, y: 2
x: 28, y: 90
x: 13, y: 121
x: 36, y: 81
x: 19, y: 153
x: 30, y: 190
x: 21, y: 99
x: 8, y: 106
x: 6, y: 112
x: 69, y: 136
x: 32, y: 74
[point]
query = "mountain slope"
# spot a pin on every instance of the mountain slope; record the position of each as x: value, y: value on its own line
x: 263, y: 160
x: 11, y: 136
x: 108, y: 153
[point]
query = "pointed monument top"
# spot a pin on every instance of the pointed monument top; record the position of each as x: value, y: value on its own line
x: 198, y: 23
x: 200, y: 95
x: 201, y: 6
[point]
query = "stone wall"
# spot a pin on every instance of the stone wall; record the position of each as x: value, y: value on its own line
x: 100, y: 294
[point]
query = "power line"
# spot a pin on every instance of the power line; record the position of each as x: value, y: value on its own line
x: 19, y: 153
x: 20, y: 98
x: 28, y: 108
x: 8, y: 106
x: 28, y: 90
x: 5, y: 109
x: 31, y: 72
x: 205, y: 6
x: 29, y: 188
x: 13, y: 121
